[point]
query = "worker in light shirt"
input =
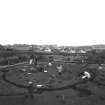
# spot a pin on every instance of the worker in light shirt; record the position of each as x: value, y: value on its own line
x: 49, y: 64
x: 60, y: 69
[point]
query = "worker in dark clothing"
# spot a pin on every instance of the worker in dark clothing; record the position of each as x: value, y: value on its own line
x: 33, y: 60
x: 30, y: 89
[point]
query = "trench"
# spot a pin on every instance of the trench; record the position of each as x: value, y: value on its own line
x: 81, y: 91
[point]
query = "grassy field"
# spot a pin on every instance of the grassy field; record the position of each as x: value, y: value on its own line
x: 90, y: 93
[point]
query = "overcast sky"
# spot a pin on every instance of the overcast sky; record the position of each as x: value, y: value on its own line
x: 62, y: 22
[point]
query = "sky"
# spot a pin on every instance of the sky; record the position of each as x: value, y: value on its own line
x: 61, y: 22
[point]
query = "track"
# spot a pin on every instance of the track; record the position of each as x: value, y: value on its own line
x: 42, y: 89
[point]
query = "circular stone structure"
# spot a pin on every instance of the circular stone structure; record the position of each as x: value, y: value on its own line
x: 23, y: 77
x: 44, y: 81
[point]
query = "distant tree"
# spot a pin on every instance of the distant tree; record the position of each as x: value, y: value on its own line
x: 12, y: 59
x: 3, y: 61
x: 51, y: 58
x: 1, y: 47
x: 42, y: 58
x: 94, y: 57
x: 23, y: 57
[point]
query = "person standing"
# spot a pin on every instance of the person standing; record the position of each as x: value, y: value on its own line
x: 30, y: 89
x: 60, y: 69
